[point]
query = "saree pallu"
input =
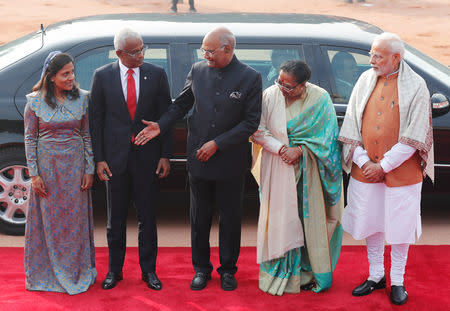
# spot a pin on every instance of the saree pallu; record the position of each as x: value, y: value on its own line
x: 320, y: 202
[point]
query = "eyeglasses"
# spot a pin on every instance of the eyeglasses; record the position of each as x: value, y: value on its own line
x: 285, y: 87
x: 375, y: 56
x: 211, y: 53
x: 136, y: 54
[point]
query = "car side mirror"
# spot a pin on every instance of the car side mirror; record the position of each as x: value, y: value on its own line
x: 439, y: 105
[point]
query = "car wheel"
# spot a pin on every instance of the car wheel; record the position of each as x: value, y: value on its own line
x: 15, y: 185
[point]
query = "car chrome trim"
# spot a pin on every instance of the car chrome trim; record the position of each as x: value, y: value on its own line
x: 435, y: 165
x: 340, y: 105
x: 441, y: 165
x: 178, y: 160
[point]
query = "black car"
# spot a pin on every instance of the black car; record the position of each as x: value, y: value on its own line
x: 263, y: 42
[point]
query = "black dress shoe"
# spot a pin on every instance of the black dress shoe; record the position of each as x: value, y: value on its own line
x: 398, y: 294
x: 199, y: 281
x: 152, y: 280
x: 369, y: 286
x: 308, y: 286
x: 228, y: 281
x: 111, y: 280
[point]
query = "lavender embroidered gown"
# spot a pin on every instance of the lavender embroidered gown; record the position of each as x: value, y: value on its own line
x: 59, y: 244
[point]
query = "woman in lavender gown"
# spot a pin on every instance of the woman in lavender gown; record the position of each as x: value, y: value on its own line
x: 59, y: 248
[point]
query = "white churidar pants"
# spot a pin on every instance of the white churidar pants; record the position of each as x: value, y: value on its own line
x: 376, y: 212
x: 375, y: 254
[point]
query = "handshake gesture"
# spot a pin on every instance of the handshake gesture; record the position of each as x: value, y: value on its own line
x: 152, y: 130
x: 148, y: 133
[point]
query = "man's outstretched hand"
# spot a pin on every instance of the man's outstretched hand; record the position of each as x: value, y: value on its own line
x: 148, y: 133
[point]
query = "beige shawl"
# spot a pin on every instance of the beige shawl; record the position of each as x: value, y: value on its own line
x: 416, y: 128
x: 279, y: 226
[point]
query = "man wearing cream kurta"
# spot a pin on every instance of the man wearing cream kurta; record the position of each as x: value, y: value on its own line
x: 388, y: 148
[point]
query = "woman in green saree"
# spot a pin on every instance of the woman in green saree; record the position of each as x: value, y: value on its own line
x: 297, y: 165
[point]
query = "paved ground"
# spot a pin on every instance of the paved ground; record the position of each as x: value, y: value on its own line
x: 423, y: 23
x: 174, y: 230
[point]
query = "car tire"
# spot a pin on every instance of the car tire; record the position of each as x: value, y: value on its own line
x: 15, y: 186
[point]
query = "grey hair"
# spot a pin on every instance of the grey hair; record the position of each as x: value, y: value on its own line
x: 228, y: 38
x: 123, y: 35
x: 396, y: 44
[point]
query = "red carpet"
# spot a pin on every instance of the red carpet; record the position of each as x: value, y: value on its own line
x: 427, y: 282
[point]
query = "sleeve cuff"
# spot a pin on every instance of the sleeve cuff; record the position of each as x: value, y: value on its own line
x: 385, y: 166
x: 360, y: 156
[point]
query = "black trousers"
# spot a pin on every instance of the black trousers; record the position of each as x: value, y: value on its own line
x: 140, y: 187
x: 227, y: 197
x: 175, y: 2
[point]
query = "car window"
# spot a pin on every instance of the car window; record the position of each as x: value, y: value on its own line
x: 265, y: 60
x: 86, y: 63
x: 346, y: 67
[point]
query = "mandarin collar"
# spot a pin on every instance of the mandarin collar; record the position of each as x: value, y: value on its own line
x: 233, y: 62
x: 392, y: 75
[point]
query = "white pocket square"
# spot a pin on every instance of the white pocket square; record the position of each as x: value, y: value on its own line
x: 235, y: 95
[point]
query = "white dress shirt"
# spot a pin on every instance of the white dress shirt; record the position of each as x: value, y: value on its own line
x: 124, y: 79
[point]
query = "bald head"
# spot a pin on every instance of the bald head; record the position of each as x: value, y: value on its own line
x: 218, y: 46
x: 222, y: 35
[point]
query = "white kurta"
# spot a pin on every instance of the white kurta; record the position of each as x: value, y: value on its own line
x: 373, y: 208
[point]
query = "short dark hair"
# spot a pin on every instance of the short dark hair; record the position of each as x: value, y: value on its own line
x: 46, y: 86
x: 299, y: 69
x: 340, y: 57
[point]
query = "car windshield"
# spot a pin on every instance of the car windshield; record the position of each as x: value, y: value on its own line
x: 428, y: 64
x: 18, y: 49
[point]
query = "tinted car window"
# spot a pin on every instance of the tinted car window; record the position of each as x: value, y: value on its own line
x: 86, y: 63
x: 346, y: 67
x: 265, y: 60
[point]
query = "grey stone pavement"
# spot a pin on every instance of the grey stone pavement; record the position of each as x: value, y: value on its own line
x: 174, y: 229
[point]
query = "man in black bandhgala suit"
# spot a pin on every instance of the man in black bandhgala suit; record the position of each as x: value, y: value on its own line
x: 225, y: 95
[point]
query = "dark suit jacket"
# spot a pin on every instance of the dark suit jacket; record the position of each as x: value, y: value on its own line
x: 226, y: 108
x: 110, y: 122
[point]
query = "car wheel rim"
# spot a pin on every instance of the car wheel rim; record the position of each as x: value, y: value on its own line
x: 15, y: 184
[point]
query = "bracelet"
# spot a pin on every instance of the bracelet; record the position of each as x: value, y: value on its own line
x: 282, y: 149
x: 300, y: 148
